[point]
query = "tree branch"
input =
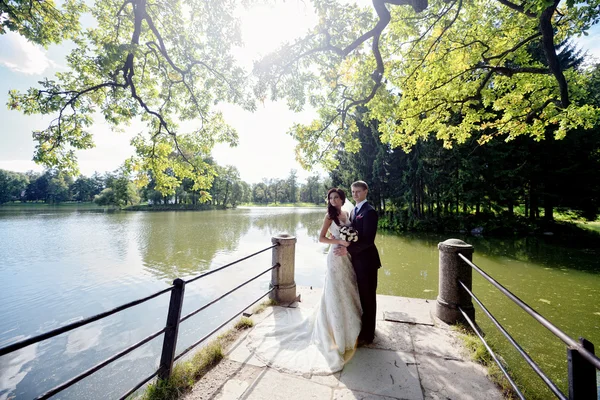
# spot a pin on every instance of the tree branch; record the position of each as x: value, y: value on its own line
x: 516, y: 7
x: 514, y: 48
x: 547, y: 32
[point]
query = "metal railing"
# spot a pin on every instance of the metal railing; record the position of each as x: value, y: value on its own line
x: 170, y: 330
x: 582, y: 362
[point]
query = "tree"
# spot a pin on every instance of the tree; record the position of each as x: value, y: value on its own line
x: 163, y: 61
x: 12, y: 185
x: 451, y: 68
x: 84, y: 189
x: 260, y: 193
x: 37, y: 187
x: 312, y: 192
x: 106, y: 198
x: 40, y: 21
x: 120, y: 191
x: 292, y: 183
x: 58, y: 187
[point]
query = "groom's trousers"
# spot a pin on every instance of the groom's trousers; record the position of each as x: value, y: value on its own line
x: 366, y: 279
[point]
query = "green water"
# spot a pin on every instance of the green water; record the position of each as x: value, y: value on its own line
x: 57, y: 266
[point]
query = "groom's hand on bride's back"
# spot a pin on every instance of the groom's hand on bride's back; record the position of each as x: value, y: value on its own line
x: 341, y: 251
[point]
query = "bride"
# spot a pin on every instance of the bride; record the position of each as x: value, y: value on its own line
x: 320, y: 341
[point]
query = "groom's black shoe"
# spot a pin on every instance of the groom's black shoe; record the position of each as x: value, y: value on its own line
x: 363, y: 342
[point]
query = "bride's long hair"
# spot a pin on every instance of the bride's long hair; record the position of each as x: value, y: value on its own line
x: 333, y: 212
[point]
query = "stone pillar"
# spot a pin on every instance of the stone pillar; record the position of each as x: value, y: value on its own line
x: 451, y: 293
x: 282, y: 278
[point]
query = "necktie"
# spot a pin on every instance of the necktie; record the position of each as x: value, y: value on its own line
x: 355, y: 212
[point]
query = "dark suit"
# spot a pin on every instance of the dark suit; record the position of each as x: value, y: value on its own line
x: 366, y: 262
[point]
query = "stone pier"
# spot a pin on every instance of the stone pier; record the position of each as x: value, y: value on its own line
x: 415, y: 356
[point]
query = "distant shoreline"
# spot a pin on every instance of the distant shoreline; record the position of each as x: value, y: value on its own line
x: 147, y: 207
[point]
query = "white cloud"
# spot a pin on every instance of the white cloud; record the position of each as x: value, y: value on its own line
x: 20, y: 55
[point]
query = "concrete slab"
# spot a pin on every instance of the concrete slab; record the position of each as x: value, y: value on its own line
x: 448, y: 379
x: 309, y: 296
x: 239, y: 352
x: 226, y: 381
x: 275, y: 385
x: 383, y: 373
x: 392, y: 336
x: 407, y: 310
x: 327, y: 380
x: 347, y: 394
x: 410, y: 360
x: 430, y: 340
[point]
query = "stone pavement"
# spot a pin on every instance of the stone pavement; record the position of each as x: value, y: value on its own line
x: 414, y: 356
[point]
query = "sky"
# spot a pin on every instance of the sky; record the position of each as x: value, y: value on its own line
x: 264, y: 150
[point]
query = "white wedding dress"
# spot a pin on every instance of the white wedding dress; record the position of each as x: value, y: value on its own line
x: 314, y: 341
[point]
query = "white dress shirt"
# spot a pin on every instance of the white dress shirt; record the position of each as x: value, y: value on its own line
x: 357, y: 208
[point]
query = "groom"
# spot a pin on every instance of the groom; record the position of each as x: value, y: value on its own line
x: 365, y: 258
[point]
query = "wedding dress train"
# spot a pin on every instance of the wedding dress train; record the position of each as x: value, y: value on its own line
x: 317, y: 341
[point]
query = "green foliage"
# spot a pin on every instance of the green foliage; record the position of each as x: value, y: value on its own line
x: 456, y: 70
x: 12, y: 186
x: 165, y: 62
x: 106, y: 198
x: 120, y: 191
x: 40, y: 21
x: 433, y: 188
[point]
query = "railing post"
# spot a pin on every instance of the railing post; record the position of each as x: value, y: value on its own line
x: 452, y: 269
x: 282, y: 278
x: 170, y: 338
x: 582, y: 374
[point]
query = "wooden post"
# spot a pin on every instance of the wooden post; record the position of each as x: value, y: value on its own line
x: 452, y: 269
x: 282, y: 278
x: 582, y: 374
x: 170, y: 338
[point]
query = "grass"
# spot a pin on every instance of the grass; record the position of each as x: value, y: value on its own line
x: 263, y: 306
x: 186, y: 373
x: 244, y: 323
x: 480, y: 355
x: 591, y: 226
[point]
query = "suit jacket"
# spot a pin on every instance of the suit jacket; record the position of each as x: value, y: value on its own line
x: 364, y: 253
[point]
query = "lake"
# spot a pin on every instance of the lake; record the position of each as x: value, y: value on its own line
x: 59, y: 265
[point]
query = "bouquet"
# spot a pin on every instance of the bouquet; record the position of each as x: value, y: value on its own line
x: 349, y: 234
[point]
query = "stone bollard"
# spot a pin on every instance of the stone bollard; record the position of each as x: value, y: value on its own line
x: 451, y: 294
x: 282, y: 278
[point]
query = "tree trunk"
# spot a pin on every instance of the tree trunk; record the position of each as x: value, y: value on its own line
x: 548, y: 209
x: 533, y: 202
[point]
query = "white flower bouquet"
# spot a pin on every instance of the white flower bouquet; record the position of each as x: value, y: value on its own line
x: 349, y: 234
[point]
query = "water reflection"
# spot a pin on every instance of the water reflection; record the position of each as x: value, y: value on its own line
x: 14, y: 367
x: 180, y: 244
x: 544, y: 251
x: 60, y: 267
